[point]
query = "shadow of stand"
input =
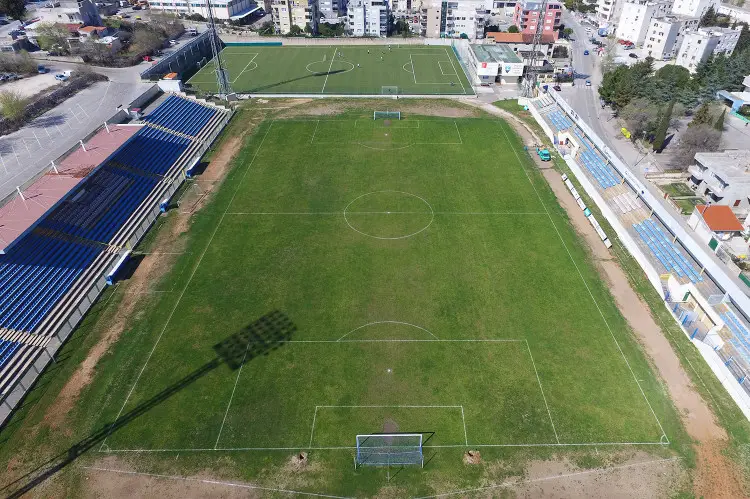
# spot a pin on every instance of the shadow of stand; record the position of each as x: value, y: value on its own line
x: 259, y: 338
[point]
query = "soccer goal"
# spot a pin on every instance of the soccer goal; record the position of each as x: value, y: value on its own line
x: 384, y: 449
x: 389, y: 90
x: 388, y: 115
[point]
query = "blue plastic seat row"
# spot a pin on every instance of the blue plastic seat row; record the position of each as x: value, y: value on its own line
x: 35, y: 275
x: 7, y: 349
x: 151, y: 150
x: 559, y: 120
x: 597, y: 166
x: 181, y: 115
x: 666, y: 251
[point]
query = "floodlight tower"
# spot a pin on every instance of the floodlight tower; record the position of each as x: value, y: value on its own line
x: 529, y: 82
x: 222, y: 79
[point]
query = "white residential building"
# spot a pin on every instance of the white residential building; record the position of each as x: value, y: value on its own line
x: 737, y: 14
x: 665, y: 34
x: 697, y: 46
x: 636, y: 17
x: 608, y: 11
x: 332, y: 10
x: 723, y: 178
x: 288, y: 13
x: 367, y: 17
x: 693, y: 8
x: 223, y: 9
x: 455, y: 18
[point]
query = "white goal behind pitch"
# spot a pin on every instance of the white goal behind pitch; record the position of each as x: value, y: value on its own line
x: 388, y: 115
x: 385, y: 449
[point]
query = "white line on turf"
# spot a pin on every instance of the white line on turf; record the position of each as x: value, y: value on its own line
x: 210, y: 482
x: 246, y: 66
x: 413, y: 70
x: 388, y: 406
x: 388, y: 322
x: 312, y: 430
x: 504, y: 213
x: 234, y: 388
x: 459, y: 133
x: 542, y: 390
x: 511, y: 483
x: 315, y: 131
x: 463, y: 418
x: 190, y: 279
x: 348, y: 447
x: 591, y: 294
x: 440, y: 65
x: 454, y: 69
x: 322, y: 90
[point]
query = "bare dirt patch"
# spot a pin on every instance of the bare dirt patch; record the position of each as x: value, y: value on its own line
x: 298, y: 461
x: 328, y: 107
x: 472, y: 457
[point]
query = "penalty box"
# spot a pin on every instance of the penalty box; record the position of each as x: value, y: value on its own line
x: 324, y: 394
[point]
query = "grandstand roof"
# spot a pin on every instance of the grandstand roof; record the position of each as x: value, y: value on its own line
x: 719, y: 218
x: 19, y: 214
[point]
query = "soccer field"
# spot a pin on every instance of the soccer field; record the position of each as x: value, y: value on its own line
x: 365, y: 276
x: 349, y: 70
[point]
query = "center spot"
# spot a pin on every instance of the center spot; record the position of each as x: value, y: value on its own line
x: 389, y: 214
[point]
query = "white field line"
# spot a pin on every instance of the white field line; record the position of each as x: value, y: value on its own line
x: 591, y: 294
x: 322, y: 90
x: 510, y: 340
x: 210, y: 482
x: 542, y: 390
x: 351, y: 447
x: 388, y: 407
x: 388, y: 322
x: 312, y: 429
x: 440, y: 65
x: 190, y: 279
x: 234, y: 388
x: 413, y: 69
x: 316, y: 131
x: 459, y: 133
x: 516, y: 483
x: 243, y: 69
x: 454, y: 69
x: 463, y: 418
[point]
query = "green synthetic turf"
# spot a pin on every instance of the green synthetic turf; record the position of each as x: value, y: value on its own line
x: 368, y: 274
x: 321, y: 69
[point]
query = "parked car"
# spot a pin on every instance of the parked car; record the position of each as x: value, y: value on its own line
x: 634, y: 56
x: 543, y: 154
x: 172, y: 43
x: 588, y: 83
x: 585, y: 52
x: 41, y: 69
x: 61, y: 77
x: 558, y: 88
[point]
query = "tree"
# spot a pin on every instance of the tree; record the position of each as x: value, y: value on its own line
x: 567, y: 32
x: 702, y: 116
x: 661, y: 129
x: 610, y: 52
x: 700, y: 138
x: 709, y: 18
x: 743, y: 41
x: 719, y: 125
x: 13, y: 8
x: 641, y: 117
x: 12, y: 104
x: 559, y: 52
x: 145, y: 40
x: 513, y: 29
x: 51, y: 35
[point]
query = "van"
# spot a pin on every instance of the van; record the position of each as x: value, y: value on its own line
x: 192, y: 31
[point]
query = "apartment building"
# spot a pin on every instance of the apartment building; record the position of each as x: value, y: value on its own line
x: 367, y: 18
x: 223, y: 9
x: 331, y: 11
x: 698, y: 45
x: 665, y: 35
x: 636, y: 18
x: 455, y: 19
x: 693, y: 8
x: 288, y: 13
x: 529, y: 13
x: 608, y: 11
x: 723, y: 178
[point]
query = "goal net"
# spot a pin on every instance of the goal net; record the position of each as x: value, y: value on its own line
x: 389, y: 90
x: 383, y: 449
x: 387, y: 115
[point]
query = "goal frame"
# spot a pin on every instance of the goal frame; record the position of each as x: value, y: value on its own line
x: 386, y: 115
x: 358, y: 461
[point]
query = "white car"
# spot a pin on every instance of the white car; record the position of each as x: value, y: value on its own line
x: 172, y: 43
x: 61, y: 77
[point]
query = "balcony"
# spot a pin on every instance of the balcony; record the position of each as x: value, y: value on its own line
x: 696, y: 172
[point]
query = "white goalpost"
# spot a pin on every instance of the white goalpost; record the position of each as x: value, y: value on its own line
x: 385, y: 449
x: 388, y: 115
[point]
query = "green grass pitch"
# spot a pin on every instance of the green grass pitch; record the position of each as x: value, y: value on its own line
x: 374, y: 276
x: 349, y: 70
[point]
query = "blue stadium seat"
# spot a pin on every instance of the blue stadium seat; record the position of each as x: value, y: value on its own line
x: 181, y: 115
x: 7, y: 349
x: 666, y: 251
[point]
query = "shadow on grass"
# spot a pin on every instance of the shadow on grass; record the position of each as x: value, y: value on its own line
x: 259, y: 338
x: 291, y: 80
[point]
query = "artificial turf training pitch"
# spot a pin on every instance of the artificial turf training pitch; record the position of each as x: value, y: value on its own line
x: 360, y: 276
x: 348, y: 69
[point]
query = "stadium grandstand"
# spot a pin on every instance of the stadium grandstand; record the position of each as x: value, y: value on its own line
x: 64, y: 234
x: 699, y: 302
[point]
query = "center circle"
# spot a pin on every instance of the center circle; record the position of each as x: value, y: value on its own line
x: 389, y: 214
x: 323, y: 68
